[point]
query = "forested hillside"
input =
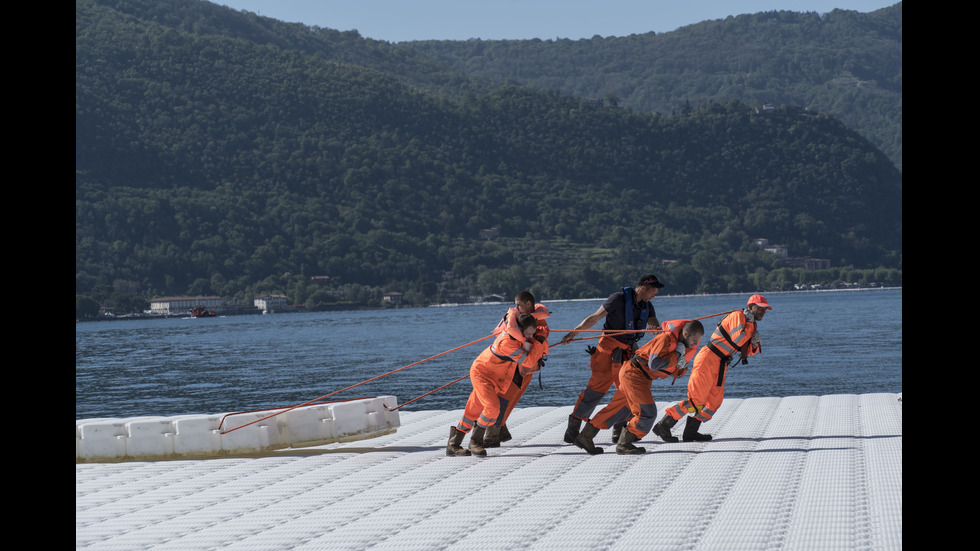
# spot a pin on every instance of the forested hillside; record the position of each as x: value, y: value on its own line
x: 222, y: 153
x: 844, y: 63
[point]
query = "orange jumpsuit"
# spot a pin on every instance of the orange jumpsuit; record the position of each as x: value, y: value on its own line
x: 492, y: 374
x: 657, y: 359
x: 510, y: 398
x: 706, y: 385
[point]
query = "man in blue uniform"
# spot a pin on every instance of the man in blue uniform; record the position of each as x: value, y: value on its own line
x: 626, y: 310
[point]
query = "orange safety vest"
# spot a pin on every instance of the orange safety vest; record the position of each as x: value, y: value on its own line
x: 733, y: 335
x: 674, y: 327
x: 506, y: 349
x: 661, y: 346
x: 509, y: 322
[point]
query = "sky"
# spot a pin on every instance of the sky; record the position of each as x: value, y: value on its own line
x: 405, y: 20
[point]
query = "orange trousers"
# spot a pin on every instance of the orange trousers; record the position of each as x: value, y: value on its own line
x: 633, y: 400
x: 705, y: 388
x: 605, y: 373
x: 490, y: 380
x: 511, y: 396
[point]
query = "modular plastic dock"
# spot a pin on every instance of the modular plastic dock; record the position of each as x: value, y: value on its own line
x: 796, y: 473
x: 239, y: 433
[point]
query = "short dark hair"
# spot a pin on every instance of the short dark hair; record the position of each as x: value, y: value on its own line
x: 525, y: 296
x: 526, y: 320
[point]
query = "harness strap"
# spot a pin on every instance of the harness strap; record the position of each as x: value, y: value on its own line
x: 725, y: 358
x: 728, y: 337
x: 517, y: 353
x: 635, y: 362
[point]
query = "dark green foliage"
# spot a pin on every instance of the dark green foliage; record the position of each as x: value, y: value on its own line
x: 845, y: 63
x: 222, y: 153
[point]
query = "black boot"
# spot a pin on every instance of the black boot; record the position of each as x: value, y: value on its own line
x: 476, y: 441
x: 625, y: 445
x: 572, y: 431
x: 454, y: 447
x: 504, y: 433
x: 617, y: 431
x: 492, y: 437
x: 691, y: 433
x: 584, y: 439
x: 662, y: 429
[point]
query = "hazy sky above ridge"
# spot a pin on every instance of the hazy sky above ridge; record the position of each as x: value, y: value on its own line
x: 404, y: 20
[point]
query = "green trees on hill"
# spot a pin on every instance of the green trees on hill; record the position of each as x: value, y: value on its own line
x: 219, y: 153
x: 843, y: 62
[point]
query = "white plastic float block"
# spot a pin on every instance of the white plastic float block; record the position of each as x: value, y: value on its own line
x: 143, y: 438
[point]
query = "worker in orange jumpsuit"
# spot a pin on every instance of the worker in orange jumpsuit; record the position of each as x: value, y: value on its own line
x: 736, y: 337
x: 491, y: 374
x: 523, y: 304
x: 626, y: 310
x: 666, y: 355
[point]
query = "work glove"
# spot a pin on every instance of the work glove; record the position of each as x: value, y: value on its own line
x: 590, y: 349
x: 756, y: 338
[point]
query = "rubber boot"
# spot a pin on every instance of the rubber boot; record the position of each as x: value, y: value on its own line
x: 625, y: 445
x: 492, y: 437
x: 455, y: 445
x: 691, y: 433
x: 476, y: 441
x: 572, y: 431
x: 662, y: 429
x: 617, y: 431
x: 504, y: 433
x: 584, y: 439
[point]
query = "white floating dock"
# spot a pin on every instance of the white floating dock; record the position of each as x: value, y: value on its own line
x: 224, y: 434
x: 797, y: 473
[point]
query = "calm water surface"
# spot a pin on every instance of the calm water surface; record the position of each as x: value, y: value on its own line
x: 814, y: 343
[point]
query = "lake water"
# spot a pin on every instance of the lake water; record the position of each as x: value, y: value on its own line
x: 814, y: 343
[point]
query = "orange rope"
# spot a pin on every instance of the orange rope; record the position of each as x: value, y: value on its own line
x: 355, y: 385
x: 430, y: 392
x: 716, y: 315
x: 614, y: 332
x: 604, y: 332
x: 227, y: 415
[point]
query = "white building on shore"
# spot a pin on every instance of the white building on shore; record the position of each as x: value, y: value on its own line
x: 167, y: 306
x: 270, y: 303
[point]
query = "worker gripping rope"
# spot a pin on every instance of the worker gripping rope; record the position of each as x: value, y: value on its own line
x: 667, y: 355
x: 629, y: 310
x: 492, y: 373
x: 523, y: 304
x: 736, y: 336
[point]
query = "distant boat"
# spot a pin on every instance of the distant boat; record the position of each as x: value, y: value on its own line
x: 201, y: 312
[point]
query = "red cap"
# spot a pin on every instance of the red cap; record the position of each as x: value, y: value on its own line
x: 760, y: 300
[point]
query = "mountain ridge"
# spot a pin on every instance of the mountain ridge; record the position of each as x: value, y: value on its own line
x: 207, y: 164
